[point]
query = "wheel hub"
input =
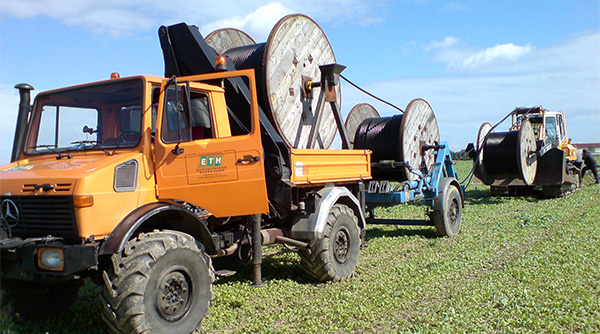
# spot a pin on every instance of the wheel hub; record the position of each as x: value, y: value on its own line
x: 341, y: 246
x: 174, y: 296
x: 453, y: 213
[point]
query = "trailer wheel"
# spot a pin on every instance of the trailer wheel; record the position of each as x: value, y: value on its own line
x: 335, y: 256
x: 160, y: 283
x: 35, y: 301
x: 448, y: 217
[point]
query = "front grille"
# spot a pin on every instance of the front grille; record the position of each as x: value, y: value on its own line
x: 44, y: 215
x: 57, y: 187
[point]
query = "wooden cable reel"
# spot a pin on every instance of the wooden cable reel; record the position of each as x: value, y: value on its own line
x: 506, y: 157
x: 479, y: 171
x: 224, y: 39
x: 357, y: 115
x: 295, y: 49
x: 401, y: 138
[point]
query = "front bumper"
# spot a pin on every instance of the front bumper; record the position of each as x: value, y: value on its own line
x: 20, y: 259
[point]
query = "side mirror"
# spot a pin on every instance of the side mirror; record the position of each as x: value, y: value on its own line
x: 87, y: 129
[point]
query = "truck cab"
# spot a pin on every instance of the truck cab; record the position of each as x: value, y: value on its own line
x: 550, y: 129
x: 108, y: 148
x: 85, y: 149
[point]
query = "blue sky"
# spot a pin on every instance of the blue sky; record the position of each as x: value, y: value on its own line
x: 473, y: 61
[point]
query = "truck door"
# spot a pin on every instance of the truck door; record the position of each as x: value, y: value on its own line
x: 197, y: 158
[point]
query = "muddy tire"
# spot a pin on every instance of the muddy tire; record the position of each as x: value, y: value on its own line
x: 448, y: 218
x: 35, y: 301
x: 335, y: 256
x: 160, y: 283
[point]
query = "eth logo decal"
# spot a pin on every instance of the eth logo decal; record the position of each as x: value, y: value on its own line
x: 9, y: 212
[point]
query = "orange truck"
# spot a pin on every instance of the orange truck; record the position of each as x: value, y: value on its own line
x: 140, y: 182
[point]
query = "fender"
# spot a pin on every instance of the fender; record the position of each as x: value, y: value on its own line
x: 313, y: 226
x: 158, y: 215
x: 445, y: 183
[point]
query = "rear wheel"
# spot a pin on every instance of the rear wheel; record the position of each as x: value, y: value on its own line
x: 448, y: 217
x: 160, y: 283
x: 335, y: 256
x: 33, y: 300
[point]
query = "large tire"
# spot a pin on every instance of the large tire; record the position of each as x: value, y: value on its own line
x: 160, y: 283
x: 35, y: 301
x: 448, y: 217
x: 335, y: 256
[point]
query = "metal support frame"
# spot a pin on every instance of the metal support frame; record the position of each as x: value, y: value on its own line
x: 329, y: 80
x: 426, y: 186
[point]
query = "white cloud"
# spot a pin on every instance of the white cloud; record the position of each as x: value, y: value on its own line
x: 579, y: 54
x: 499, y: 53
x: 122, y: 18
x: 109, y: 17
x: 498, y: 58
x: 447, y: 42
x: 257, y: 24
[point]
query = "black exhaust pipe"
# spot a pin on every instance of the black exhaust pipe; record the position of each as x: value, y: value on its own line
x: 22, y: 117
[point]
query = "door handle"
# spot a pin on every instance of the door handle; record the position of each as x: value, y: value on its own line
x: 248, y: 160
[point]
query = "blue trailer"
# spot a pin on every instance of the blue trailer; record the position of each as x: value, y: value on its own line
x: 438, y: 186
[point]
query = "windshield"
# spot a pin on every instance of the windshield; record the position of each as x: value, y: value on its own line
x: 94, y: 117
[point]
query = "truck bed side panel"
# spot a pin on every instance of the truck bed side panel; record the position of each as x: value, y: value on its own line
x: 310, y: 167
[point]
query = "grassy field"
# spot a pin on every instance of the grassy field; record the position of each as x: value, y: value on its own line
x: 519, y: 265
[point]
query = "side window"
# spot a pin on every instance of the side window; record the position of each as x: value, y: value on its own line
x: 238, y: 111
x: 200, y: 119
x: 131, y: 123
x: 561, y: 125
x: 551, y: 132
x: 155, y: 97
x: 185, y: 123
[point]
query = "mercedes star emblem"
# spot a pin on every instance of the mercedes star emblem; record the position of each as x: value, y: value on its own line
x: 9, y: 212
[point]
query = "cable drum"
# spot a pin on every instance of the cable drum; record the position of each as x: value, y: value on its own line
x: 509, y: 156
x: 295, y: 49
x: 224, y: 39
x: 400, y: 138
x: 249, y: 57
x: 357, y: 114
x: 479, y: 171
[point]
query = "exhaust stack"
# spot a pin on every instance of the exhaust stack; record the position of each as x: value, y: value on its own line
x: 22, y: 118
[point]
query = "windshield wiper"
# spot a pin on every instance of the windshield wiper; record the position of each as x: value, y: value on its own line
x: 94, y: 144
x: 49, y: 147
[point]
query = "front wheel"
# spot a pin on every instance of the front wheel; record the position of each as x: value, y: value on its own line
x: 335, y: 256
x: 160, y: 283
x: 447, y: 218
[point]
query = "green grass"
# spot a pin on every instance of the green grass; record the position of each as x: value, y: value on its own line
x: 519, y: 265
